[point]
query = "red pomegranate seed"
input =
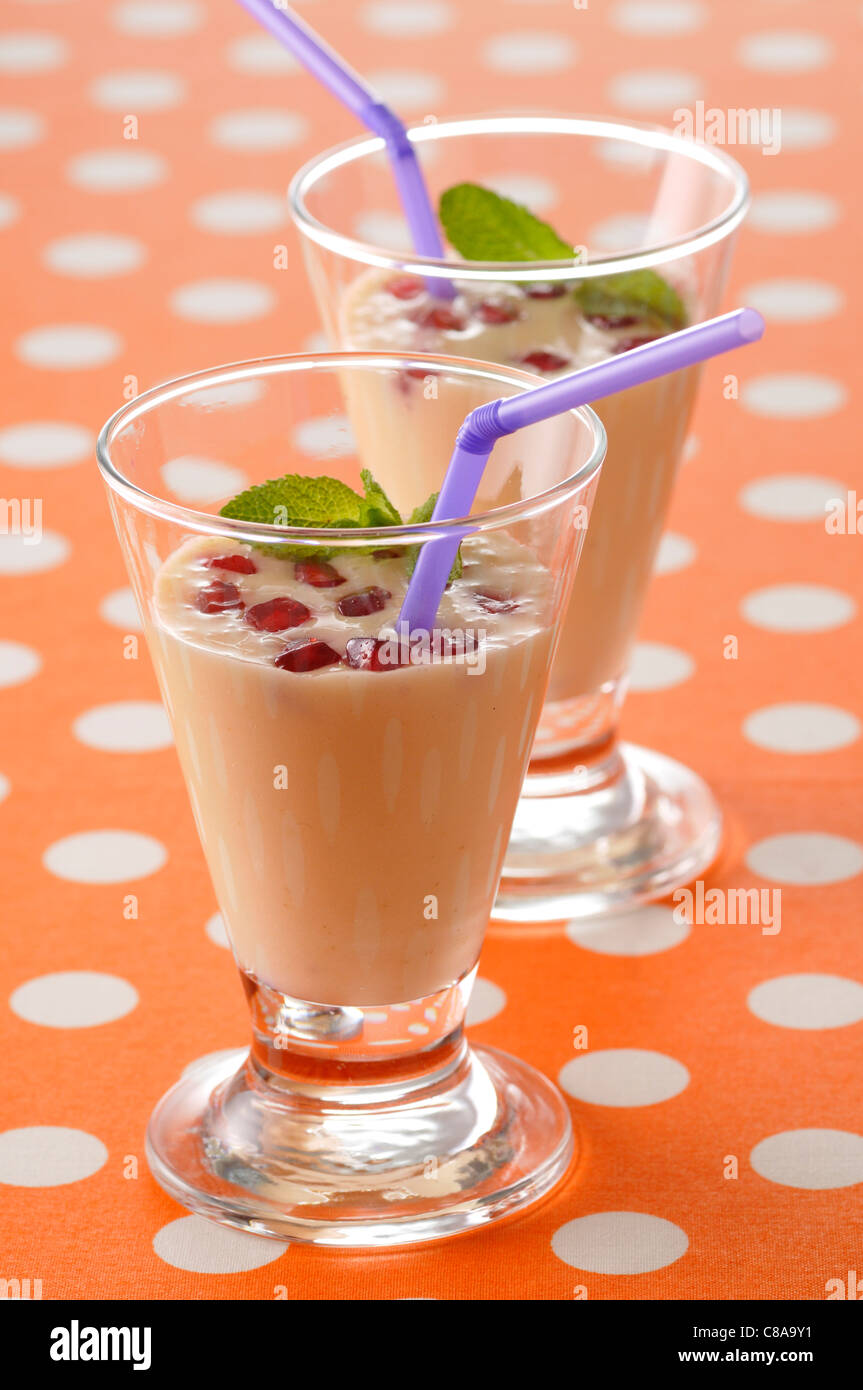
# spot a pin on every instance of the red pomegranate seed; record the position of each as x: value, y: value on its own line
x: 439, y: 316
x: 624, y: 344
x: 306, y: 656
x: 495, y: 603
x: 365, y: 654
x: 277, y: 614
x: 387, y: 554
x: 240, y: 564
x: 545, y: 361
x: 404, y: 286
x: 317, y: 573
x: 218, y: 597
x: 363, y: 602
x: 555, y: 289
x: 496, y: 310
x: 613, y: 320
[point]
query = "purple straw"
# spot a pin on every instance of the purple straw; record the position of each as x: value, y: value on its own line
x: 489, y: 422
x: 322, y: 62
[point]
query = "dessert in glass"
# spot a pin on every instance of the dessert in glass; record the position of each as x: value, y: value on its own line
x: 353, y: 785
x: 601, y: 825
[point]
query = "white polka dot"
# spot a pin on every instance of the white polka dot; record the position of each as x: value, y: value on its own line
x: 806, y: 857
x: 787, y: 212
x: 195, y: 479
x: 157, y: 19
x: 217, y: 931
x: 223, y: 301
x: 387, y: 229
x: 5, y: 787
x: 801, y: 728
x: 623, y: 232
x: 690, y: 448
x: 794, y: 301
x: 17, y: 556
x: 18, y: 129
x: 104, y: 856
x: 238, y: 213
x: 675, y: 553
x: 815, y: 1159
x: 329, y: 436
x: 63, y: 346
x: 654, y: 91
x: 531, y: 190
x: 798, y: 608
x: 529, y: 53
x: 792, y: 395
x: 790, y: 497
x: 236, y: 1055
x: 407, y: 19
x: 408, y: 89
x: 17, y: 663
x: 261, y: 54
x: 642, y: 932
x: 128, y: 726
x: 133, y: 92
x: 623, y: 1076
x: 24, y: 53
x: 658, y: 18
x: 621, y: 154
x: 120, y: 609
x: 808, y: 1001
x: 94, y: 255
x: 44, y: 444
x: 193, y: 1243
x: 619, y: 1242
x: 73, y: 999
x: 316, y: 342
x: 258, y: 130
x: 227, y: 396
x: 486, y: 1001
x: 9, y: 210
x: 655, y: 666
x: 49, y: 1156
x: 116, y: 171
x: 802, y: 129
x: 785, y: 51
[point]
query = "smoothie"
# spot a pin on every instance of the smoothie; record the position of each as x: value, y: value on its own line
x: 354, y: 809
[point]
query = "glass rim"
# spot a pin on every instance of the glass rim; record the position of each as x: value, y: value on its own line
x: 355, y: 537
x: 636, y: 133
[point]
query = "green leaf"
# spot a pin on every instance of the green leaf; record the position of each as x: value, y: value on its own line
x: 295, y: 500
x: 418, y: 517
x: 641, y: 292
x: 483, y: 226
x: 380, y: 510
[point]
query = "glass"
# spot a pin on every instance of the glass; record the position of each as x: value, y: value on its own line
x: 601, y: 825
x: 354, y: 822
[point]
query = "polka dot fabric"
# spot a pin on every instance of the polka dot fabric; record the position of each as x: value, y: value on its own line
x: 147, y: 149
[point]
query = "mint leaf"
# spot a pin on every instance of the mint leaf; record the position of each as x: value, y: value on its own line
x: 295, y: 500
x: 641, y: 292
x: 418, y: 517
x: 379, y: 509
x: 483, y: 226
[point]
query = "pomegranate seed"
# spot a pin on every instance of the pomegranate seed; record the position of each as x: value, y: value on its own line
x: 364, y: 654
x: 218, y: 597
x: 306, y: 656
x: 624, y: 344
x: 317, y: 573
x: 497, y: 310
x: 439, y: 316
x: 277, y: 614
x: 495, y: 603
x: 613, y: 320
x: 404, y: 286
x: 451, y: 643
x: 387, y: 554
x: 240, y: 564
x: 553, y: 290
x: 365, y: 601
x: 545, y: 361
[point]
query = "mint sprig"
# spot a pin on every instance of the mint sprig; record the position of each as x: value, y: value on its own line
x: 418, y: 517
x: 641, y: 292
x: 483, y: 226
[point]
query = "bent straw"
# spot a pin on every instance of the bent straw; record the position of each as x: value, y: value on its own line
x: 490, y: 422
x: 336, y: 75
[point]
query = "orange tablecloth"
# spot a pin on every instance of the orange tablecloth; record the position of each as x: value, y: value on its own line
x: 729, y: 1082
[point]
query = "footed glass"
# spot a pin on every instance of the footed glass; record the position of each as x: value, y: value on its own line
x: 353, y: 797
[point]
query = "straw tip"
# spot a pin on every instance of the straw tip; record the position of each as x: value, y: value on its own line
x: 750, y: 325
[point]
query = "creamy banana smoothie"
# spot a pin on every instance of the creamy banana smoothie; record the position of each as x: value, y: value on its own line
x: 353, y: 792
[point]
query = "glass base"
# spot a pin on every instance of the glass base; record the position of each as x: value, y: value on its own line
x: 604, y: 836
x: 389, y: 1163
